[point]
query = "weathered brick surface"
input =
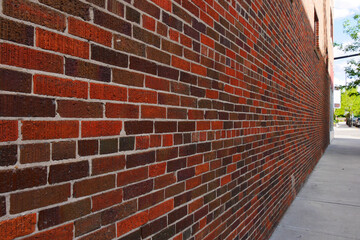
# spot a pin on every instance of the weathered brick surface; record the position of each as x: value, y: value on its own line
x: 156, y: 119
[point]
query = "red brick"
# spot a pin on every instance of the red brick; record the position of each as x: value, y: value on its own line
x: 164, y: 4
x: 148, y: 23
x: 23, y: 201
x: 225, y: 180
x: 157, y: 169
x: 155, y: 140
x: 89, y: 31
x: 62, y: 44
x: 142, y: 142
x: 192, y: 183
x: 161, y: 209
x: 195, y: 205
x: 202, y: 168
x: 49, y: 129
x: 107, y: 199
x: 168, y: 140
x: 8, y: 130
x: 54, y: 86
x: 100, y: 128
x: 152, y: 112
x: 29, y: 58
x: 107, y: 164
x: 131, y: 223
x: 128, y: 78
x: 132, y: 176
x: 114, y: 110
x: 107, y: 92
x: 30, y: 11
x: 60, y: 233
x: 142, y: 96
x: 195, y: 114
x: 198, y: 69
x: 18, y: 227
x: 93, y: 185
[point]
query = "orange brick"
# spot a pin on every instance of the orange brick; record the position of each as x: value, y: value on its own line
x: 180, y: 63
x: 203, y: 125
x: 132, y: 222
x: 213, y: 94
x: 157, y: 169
x: 107, y: 92
x: 207, y: 41
x: 54, y: 86
x: 89, y: 32
x: 29, y: 58
x: 202, y: 168
x: 49, y: 129
x: 100, y: 128
x: 17, y: 227
x: 161, y: 209
x: 60, y: 233
x: 8, y: 130
x: 59, y: 43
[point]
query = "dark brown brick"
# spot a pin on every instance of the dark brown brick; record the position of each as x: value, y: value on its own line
x: 16, y: 32
x: 168, y: 72
x: 132, y: 15
x: 138, y: 127
x: 132, y: 236
x: 177, y: 214
x: 166, y: 154
x: 8, y: 155
x: 26, y: 106
x: 186, y: 126
x: 172, y: 22
x: 57, y: 215
x: 153, y: 227
x: 94, y: 185
x: 63, y: 150
x: 128, y: 78
x: 100, y: 3
x: 183, y: 224
x: 129, y: 45
x: 171, y: 47
x: 151, y: 199
x: 79, y: 109
x: 32, y: 12
x: 24, y: 201
x: 188, y: 78
x: 175, y: 165
x: 87, y: 147
x: 111, y: 22
x: 126, y: 143
x: 167, y: 233
x: 77, y: 68
x: 87, y: 224
x: 22, y: 178
x: 15, y: 81
x: 186, y: 173
x: 105, y: 233
x: 73, y: 7
x: 143, y: 65
x: 108, y: 56
x: 146, y: 36
x: 174, y: 190
x: 147, y: 7
x: 68, y: 171
x: 140, y: 159
x: 157, y: 55
x: 2, y: 206
x: 165, y: 127
x: 118, y: 212
x: 109, y: 146
x: 31, y: 153
x: 138, y: 189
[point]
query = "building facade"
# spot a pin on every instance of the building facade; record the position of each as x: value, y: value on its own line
x: 159, y: 119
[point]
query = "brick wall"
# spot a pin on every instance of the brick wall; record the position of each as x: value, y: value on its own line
x: 156, y: 119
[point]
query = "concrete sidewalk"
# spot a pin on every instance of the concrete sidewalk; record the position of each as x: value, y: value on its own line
x: 328, y: 206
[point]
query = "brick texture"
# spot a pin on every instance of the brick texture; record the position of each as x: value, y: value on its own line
x: 157, y: 119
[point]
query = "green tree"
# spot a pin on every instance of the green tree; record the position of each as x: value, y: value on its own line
x: 350, y: 103
x: 352, y: 28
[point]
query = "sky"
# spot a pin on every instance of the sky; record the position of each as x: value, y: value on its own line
x: 343, y: 9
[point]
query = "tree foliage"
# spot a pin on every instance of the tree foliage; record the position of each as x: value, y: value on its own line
x: 352, y: 28
x: 350, y: 103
